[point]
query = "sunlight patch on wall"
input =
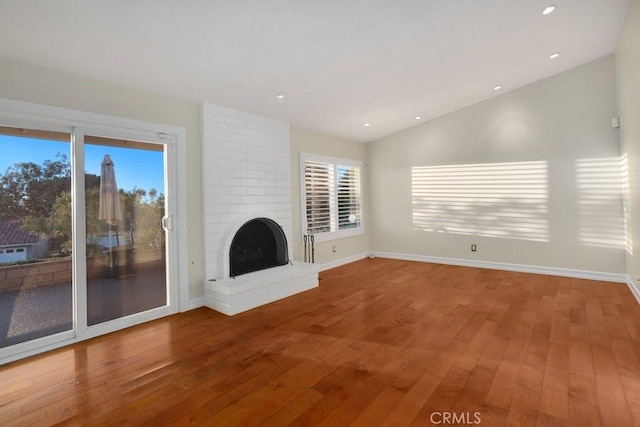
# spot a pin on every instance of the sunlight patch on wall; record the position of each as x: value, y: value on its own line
x: 600, y: 189
x: 626, y: 203
x: 507, y: 200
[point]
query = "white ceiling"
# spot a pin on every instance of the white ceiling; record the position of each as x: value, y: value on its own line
x: 341, y: 63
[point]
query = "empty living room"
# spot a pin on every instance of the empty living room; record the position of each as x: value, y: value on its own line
x: 320, y: 213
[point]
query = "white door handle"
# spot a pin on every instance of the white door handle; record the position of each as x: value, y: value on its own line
x: 167, y: 223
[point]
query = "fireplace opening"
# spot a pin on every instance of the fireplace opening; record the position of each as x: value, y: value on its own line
x: 259, y: 244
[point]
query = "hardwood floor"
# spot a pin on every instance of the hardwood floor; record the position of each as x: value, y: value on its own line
x: 380, y: 342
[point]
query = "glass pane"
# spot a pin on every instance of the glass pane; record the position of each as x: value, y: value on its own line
x: 35, y: 235
x: 126, y: 265
x: 348, y: 197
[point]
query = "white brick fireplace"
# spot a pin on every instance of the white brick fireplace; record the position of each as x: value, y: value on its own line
x: 246, y: 175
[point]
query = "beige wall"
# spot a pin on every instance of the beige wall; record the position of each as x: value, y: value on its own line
x: 29, y: 83
x: 303, y: 141
x: 558, y: 121
x: 628, y: 78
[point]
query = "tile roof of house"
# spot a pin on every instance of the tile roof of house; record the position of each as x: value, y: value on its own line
x: 11, y: 234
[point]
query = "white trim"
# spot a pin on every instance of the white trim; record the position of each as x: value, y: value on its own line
x: 551, y: 271
x: 339, y: 234
x: 319, y: 158
x: 633, y: 288
x: 196, y: 303
x: 334, y: 161
x: 343, y: 261
x: 65, y: 118
x: 78, y: 223
x: 37, y: 346
x: 181, y: 218
x: 203, y: 219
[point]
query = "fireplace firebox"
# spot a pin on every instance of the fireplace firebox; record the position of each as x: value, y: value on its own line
x: 259, y: 244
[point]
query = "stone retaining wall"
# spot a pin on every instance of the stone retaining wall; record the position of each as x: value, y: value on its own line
x: 16, y: 277
x: 33, y: 275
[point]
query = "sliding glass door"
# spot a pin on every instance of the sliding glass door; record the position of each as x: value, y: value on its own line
x: 86, y: 240
x: 125, y: 239
x: 36, y: 241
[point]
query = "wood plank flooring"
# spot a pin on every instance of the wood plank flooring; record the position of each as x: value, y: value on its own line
x: 380, y: 342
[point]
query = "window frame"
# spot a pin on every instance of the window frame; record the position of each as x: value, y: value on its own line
x: 335, y: 162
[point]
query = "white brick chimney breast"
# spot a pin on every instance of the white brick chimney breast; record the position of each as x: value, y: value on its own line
x: 246, y: 163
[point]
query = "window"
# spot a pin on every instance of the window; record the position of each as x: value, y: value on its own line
x: 19, y: 250
x: 331, y: 197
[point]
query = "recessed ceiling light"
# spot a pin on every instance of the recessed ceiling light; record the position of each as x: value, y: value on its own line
x: 279, y: 95
x: 497, y: 87
x: 367, y: 124
x: 554, y: 55
x: 547, y: 10
x: 418, y: 117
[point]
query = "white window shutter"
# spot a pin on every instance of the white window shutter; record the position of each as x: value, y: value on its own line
x: 319, y: 191
x: 332, y: 197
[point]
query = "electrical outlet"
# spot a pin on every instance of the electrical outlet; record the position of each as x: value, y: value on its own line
x: 474, y: 248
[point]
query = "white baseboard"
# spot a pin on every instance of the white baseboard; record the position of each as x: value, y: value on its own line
x: 342, y: 261
x: 562, y: 272
x: 195, y: 303
x: 551, y: 271
x: 633, y: 288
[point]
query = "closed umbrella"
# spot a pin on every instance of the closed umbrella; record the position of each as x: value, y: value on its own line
x: 109, y: 209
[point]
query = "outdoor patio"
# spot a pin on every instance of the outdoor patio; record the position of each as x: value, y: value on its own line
x: 35, y: 312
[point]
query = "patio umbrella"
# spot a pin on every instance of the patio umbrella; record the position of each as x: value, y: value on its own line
x: 109, y: 209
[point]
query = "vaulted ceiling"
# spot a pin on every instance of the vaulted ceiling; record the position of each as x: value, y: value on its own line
x: 338, y: 63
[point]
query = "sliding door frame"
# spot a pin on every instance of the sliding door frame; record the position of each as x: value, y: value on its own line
x: 78, y: 124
